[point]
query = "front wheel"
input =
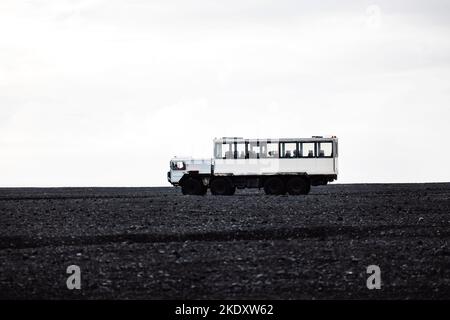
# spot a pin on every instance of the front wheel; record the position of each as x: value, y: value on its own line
x: 192, y: 186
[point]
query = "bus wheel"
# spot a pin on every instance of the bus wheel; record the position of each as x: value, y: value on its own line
x: 221, y: 187
x: 203, y: 190
x: 274, y: 186
x: 298, y: 185
x: 192, y: 186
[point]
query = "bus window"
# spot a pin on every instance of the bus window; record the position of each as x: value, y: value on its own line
x: 288, y: 149
x: 308, y: 150
x: 272, y: 149
x: 218, y: 151
x: 253, y: 150
x: 325, y: 149
x: 240, y: 150
x: 263, y: 149
x: 227, y: 151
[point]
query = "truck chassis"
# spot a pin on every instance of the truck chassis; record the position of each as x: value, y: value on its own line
x: 293, y: 184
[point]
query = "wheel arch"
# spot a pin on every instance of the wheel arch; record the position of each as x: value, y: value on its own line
x: 195, y: 175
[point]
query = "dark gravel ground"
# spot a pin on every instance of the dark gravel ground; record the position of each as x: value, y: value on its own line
x: 154, y: 243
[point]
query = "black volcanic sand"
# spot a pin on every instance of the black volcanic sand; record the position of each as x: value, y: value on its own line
x: 155, y: 243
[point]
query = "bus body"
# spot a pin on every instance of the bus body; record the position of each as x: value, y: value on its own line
x: 290, y: 165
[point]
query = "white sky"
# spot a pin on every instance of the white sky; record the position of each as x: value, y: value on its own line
x: 104, y: 93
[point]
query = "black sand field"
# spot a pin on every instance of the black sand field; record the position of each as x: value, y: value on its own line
x: 154, y: 243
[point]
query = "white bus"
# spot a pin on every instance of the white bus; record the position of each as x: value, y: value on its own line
x: 289, y: 165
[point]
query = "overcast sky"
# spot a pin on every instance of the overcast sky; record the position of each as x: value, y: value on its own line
x: 104, y: 93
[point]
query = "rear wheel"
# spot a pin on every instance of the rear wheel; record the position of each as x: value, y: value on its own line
x: 298, y: 185
x: 203, y: 190
x: 274, y: 186
x: 222, y: 187
x: 192, y: 186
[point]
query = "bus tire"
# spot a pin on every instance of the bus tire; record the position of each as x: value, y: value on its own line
x: 191, y: 186
x: 274, y: 185
x: 221, y: 187
x: 298, y: 185
x: 203, y: 190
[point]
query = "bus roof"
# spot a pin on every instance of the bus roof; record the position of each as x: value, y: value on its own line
x: 240, y: 139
